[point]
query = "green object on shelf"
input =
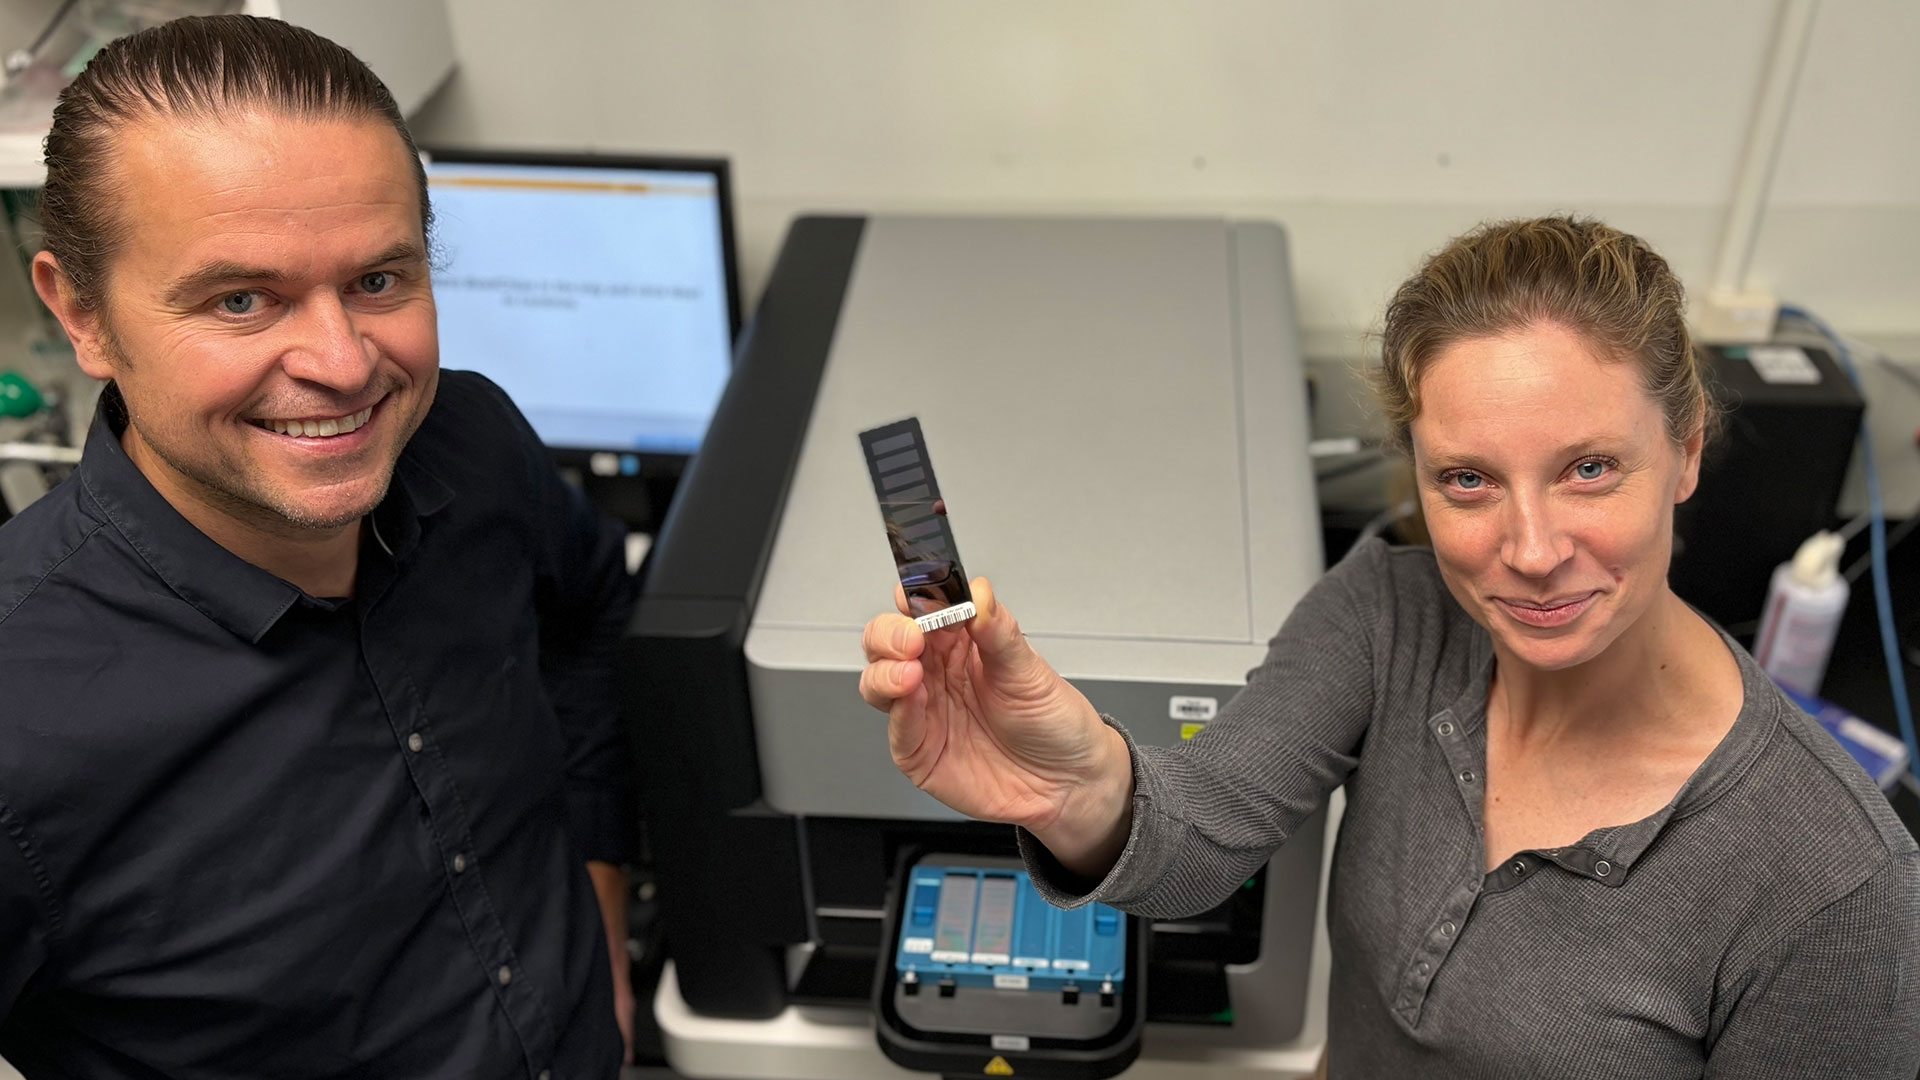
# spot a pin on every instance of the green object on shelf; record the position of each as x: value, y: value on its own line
x: 17, y: 395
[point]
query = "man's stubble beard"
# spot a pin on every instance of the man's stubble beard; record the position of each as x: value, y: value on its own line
x: 239, y: 491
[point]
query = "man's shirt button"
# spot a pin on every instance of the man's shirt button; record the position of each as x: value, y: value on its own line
x: 415, y: 743
x: 459, y: 864
x: 506, y: 975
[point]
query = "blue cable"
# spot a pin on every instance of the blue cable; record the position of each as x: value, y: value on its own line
x: 1877, y: 534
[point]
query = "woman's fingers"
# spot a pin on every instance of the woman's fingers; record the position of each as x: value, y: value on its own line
x: 907, y: 735
x: 893, y: 637
x: 1005, y: 655
x: 886, y: 681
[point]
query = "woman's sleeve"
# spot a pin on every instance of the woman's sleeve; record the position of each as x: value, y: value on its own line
x: 1209, y: 812
x: 1839, y: 995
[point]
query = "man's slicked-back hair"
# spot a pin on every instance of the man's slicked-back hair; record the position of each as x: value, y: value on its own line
x: 199, y: 69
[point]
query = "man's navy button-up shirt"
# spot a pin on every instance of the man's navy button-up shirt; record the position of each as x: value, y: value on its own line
x: 249, y: 832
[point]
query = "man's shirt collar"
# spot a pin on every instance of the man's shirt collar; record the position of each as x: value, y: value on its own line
x: 234, y: 593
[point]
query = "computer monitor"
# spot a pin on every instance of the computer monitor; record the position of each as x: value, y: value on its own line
x: 600, y: 292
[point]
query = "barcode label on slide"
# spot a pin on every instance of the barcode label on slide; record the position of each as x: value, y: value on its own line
x: 946, y: 617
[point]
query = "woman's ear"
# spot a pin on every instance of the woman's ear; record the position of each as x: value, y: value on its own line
x: 1691, y: 452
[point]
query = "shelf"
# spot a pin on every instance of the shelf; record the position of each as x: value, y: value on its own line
x: 22, y: 160
x: 409, y: 45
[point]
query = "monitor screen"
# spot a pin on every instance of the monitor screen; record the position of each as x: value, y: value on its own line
x: 597, y: 293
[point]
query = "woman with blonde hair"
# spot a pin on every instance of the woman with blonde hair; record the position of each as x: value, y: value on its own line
x: 1585, y: 836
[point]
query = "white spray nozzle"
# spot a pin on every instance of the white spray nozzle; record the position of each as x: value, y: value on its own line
x: 1817, y: 563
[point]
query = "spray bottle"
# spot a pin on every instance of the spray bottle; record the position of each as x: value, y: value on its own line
x: 1804, y: 607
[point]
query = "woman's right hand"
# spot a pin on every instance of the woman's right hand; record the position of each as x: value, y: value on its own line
x: 977, y: 719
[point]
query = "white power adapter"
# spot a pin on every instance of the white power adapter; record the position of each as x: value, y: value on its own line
x: 1727, y: 318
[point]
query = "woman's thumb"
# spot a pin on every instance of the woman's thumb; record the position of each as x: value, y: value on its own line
x: 1004, y: 651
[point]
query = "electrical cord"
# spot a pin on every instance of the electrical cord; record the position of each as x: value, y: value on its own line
x: 18, y: 60
x: 1899, y: 372
x: 1877, y: 536
x: 1900, y: 532
x: 1859, y: 524
x: 1853, y: 528
x: 1385, y: 520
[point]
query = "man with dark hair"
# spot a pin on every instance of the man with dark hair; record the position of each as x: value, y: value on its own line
x: 308, y: 725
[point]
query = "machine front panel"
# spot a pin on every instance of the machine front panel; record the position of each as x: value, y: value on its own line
x: 955, y: 968
x: 837, y: 763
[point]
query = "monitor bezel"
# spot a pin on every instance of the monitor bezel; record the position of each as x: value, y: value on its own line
x: 657, y: 462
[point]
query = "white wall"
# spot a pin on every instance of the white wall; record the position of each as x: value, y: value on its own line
x: 1373, y: 129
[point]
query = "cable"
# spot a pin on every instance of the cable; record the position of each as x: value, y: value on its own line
x: 1900, y: 532
x: 1852, y: 528
x: 1899, y: 372
x: 18, y: 60
x: 1877, y: 534
x: 1386, y: 520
